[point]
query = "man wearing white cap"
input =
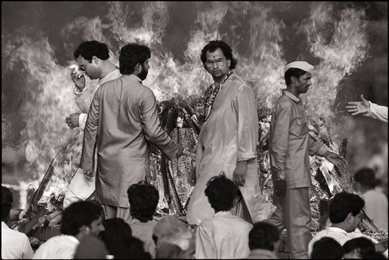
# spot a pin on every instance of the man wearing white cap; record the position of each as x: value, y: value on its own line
x: 290, y: 146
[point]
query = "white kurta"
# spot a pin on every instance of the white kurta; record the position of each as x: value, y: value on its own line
x: 229, y: 135
x: 223, y: 236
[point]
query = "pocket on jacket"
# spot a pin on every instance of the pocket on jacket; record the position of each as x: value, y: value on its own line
x: 299, y: 127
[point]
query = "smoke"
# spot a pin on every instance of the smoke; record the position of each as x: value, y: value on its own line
x: 38, y: 40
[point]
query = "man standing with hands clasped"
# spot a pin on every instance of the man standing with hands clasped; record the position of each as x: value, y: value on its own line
x: 289, y: 147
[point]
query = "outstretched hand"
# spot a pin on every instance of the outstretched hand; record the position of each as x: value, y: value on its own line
x: 358, y: 107
x: 239, y: 175
x: 336, y: 159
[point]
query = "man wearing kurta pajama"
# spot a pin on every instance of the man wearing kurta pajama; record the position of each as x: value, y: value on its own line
x: 289, y: 148
x: 228, y: 137
x: 123, y: 121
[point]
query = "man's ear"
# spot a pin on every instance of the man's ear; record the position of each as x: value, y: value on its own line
x: 228, y: 63
x: 349, y: 217
x: 138, y: 68
x: 95, y: 60
x: 85, y: 229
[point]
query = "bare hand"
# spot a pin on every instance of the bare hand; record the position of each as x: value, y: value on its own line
x: 336, y: 159
x: 180, y: 150
x: 239, y: 176
x: 78, y: 78
x: 88, y: 174
x: 73, y: 120
x: 358, y: 107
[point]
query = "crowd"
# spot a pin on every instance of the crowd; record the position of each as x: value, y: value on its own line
x: 110, y: 207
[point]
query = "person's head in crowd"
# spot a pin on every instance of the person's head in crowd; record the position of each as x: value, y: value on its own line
x: 6, y: 203
x: 324, y: 209
x: 221, y: 192
x: 327, y: 248
x: 264, y: 236
x: 373, y: 255
x: 143, y: 198
x: 134, y: 59
x: 82, y: 218
x: 346, y: 211
x: 91, y: 247
x: 131, y: 248
x: 181, y: 238
x: 165, y: 226
x: 354, y: 248
x: 91, y: 57
x: 365, y: 177
x: 116, y: 231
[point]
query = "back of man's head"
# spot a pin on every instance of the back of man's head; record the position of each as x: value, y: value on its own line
x: 365, y: 177
x: 327, y: 248
x: 88, y: 49
x: 6, y: 202
x: 143, y: 198
x: 78, y: 214
x: 263, y: 236
x: 221, y: 192
x: 358, y: 246
x: 116, y: 230
x: 131, y: 248
x: 132, y: 54
x: 344, y: 203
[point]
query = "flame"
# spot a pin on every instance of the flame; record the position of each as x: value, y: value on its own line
x: 252, y: 30
x: 340, y: 53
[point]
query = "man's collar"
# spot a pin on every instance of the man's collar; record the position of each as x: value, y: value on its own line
x: 136, y: 77
x: 291, y: 96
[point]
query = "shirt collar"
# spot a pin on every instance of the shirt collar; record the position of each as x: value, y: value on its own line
x: 336, y: 229
x: 291, y: 96
x: 4, y: 225
x: 223, y: 213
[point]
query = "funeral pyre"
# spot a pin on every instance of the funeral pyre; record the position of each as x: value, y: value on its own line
x: 181, y: 119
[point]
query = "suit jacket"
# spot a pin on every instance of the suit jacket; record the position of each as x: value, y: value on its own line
x: 122, y: 121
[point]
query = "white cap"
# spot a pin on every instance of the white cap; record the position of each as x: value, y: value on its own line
x: 303, y: 65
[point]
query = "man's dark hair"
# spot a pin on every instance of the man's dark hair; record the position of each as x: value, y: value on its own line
x: 263, y: 236
x: 362, y: 244
x: 116, y: 231
x: 132, y: 54
x: 129, y: 248
x: 143, y: 198
x: 327, y: 248
x: 89, y: 49
x: 213, y: 45
x: 221, y: 192
x: 78, y: 214
x: 366, y: 177
x: 342, y: 204
x: 6, y: 202
x: 297, y: 73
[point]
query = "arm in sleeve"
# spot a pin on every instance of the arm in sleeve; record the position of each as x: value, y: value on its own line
x: 90, y: 135
x: 245, y: 107
x: 152, y: 126
x: 205, y: 244
x: 28, y: 253
x: 315, y: 147
x: 378, y: 112
x: 279, y: 138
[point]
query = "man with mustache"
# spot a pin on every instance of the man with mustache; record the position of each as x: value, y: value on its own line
x: 289, y: 148
x: 122, y: 122
x: 228, y: 137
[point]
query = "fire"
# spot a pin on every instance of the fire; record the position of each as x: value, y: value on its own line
x: 252, y: 30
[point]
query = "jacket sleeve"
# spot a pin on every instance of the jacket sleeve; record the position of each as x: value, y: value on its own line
x: 90, y: 135
x: 152, y: 126
x: 247, y: 116
x: 279, y: 138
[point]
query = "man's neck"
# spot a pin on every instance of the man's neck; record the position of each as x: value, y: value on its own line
x: 291, y: 89
x: 107, y: 67
x: 340, y: 225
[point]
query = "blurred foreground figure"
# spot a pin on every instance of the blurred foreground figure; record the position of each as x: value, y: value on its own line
x: 91, y: 248
x: 368, y: 109
x: 14, y: 244
x: 80, y: 219
x: 223, y: 235
x: 264, y: 241
x: 376, y: 203
x: 327, y: 248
